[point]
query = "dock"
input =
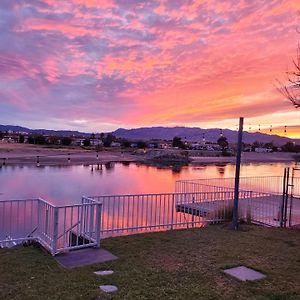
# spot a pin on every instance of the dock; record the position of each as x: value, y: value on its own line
x: 201, y: 209
x: 264, y: 209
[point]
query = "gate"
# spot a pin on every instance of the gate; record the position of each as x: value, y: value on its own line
x: 57, y: 228
x: 290, y: 204
x: 275, y: 200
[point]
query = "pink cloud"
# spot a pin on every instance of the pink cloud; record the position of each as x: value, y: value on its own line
x: 151, y: 62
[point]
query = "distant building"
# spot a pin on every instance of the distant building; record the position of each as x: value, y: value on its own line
x: 263, y: 150
x: 247, y: 149
x: 96, y: 142
x: 165, y: 145
x: 78, y: 142
x: 115, y: 145
x: 9, y: 139
x: 133, y: 145
x: 152, y: 146
x: 197, y: 146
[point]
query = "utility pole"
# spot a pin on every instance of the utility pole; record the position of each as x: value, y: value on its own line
x: 235, y: 216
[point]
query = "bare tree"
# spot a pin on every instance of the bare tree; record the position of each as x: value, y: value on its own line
x: 291, y: 90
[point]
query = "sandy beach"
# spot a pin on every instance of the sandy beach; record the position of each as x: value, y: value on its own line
x: 19, y: 154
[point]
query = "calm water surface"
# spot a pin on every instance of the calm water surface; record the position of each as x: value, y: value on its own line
x: 63, y: 185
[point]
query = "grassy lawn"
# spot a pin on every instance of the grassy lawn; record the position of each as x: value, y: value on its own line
x: 182, y: 264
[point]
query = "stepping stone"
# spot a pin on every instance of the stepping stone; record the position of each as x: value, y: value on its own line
x: 108, y: 288
x: 104, y: 273
x: 243, y: 273
x: 83, y: 257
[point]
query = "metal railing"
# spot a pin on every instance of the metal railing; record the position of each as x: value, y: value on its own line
x: 266, y: 202
x: 194, y: 204
x: 128, y: 214
x: 264, y: 184
x: 57, y: 228
x: 18, y: 220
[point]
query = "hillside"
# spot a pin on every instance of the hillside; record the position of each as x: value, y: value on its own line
x: 195, y: 134
x: 20, y: 129
x: 164, y: 133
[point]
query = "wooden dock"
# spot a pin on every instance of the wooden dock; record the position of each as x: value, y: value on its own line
x: 263, y: 210
x: 202, y: 209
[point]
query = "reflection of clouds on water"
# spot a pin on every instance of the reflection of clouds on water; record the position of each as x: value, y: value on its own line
x: 200, y: 168
x: 221, y: 171
x: 66, y: 184
x: 221, y: 168
x: 109, y: 166
x: 176, y: 169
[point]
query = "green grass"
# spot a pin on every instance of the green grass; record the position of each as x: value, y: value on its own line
x: 182, y: 264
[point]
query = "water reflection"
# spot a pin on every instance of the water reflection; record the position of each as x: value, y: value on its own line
x: 66, y: 184
x: 109, y: 166
x: 221, y: 169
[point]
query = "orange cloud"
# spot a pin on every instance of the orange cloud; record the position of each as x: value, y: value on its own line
x: 151, y: 62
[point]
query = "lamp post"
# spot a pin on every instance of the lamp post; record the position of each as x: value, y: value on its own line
x: 235, y: 224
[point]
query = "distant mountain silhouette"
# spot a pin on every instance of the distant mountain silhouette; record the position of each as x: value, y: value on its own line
x: 196, y: 134
x: 164, y: 133
x: 14, y: 128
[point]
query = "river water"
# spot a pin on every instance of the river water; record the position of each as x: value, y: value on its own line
x: 66, y: 185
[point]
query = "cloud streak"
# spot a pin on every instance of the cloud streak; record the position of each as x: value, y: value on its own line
x: 132, y: 63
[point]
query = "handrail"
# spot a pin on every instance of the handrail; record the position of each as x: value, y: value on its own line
x: 68, y: 230
x: 33, y: 231
x: 50, y: 224
x: 163, y: 194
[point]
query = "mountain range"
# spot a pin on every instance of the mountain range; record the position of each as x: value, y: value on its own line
x: 165, y: 133
x: 196, y: 134
x: 21, y: 129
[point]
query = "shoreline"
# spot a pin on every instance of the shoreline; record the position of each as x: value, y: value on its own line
x: 18, y: 154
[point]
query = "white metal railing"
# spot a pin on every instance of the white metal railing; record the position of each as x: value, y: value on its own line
x: 18, y: 220
x: 266, y: 201
x: 265, y: 184
x: 195, y: 203
x: 128, y: 214
x: 57, y: 228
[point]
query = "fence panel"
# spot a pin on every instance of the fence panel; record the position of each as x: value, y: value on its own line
x: 77, y: 226
x: 18, y: 220
x: 266, y: 201
x: 195, y: 203
x: 127, y: 214
x: 57, y: 228
x: 269, y: 184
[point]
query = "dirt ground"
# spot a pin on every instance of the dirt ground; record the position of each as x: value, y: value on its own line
x: 12, y: 154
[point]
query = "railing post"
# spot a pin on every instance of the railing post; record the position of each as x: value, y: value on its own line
x: 39, y: 217
x: 235, y: 221
x: 55, y: 231
x: 193, y: 217
x: 282, y: 203
x: 248, y: 212
x: 84, y: 200
x: 98, y: 224
x: 172, y: 213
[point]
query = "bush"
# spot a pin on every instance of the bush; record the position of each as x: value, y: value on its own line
x: 66, y: 141
x: 87, y: 143
x: 21, y: 138
x: 141, y: 144
x: 38, y: 139
x: 177, y: 142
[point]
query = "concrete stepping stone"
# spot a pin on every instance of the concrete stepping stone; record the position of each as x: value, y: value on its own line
x: 108, y: 288
x: 104, y: 273
x: 243, y: 273
x: 83, y: 257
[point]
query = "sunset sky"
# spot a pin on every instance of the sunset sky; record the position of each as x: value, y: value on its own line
x: 97, y: 65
